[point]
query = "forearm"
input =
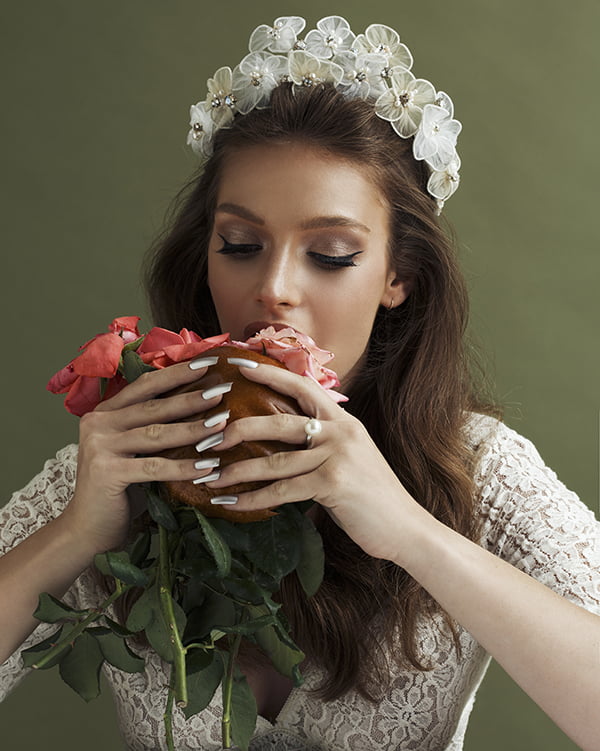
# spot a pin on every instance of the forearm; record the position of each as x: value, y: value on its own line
x: 47, y: 561
x: 548, y: 645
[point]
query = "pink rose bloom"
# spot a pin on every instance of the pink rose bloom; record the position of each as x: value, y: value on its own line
x: 299, y: 353
x: 162, y: 347
x: 99, y: 358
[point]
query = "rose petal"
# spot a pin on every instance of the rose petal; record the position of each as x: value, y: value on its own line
x: 101, y: 358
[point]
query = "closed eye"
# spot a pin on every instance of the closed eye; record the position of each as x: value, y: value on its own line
x: 334, y: 262
x: 241, y: 249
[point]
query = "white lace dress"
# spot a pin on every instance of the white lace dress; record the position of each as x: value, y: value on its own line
x: 530, y: 520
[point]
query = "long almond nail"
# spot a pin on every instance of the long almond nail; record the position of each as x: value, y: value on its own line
x: 210, y: 442
x: 221, y: 388
x: 242, y: 362
x: 203, y: 362
x: 207, y: 478
x: 224, y: 500
x: 216, y: 419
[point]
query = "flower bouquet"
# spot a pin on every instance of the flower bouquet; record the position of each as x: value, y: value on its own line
x: 199, y: 585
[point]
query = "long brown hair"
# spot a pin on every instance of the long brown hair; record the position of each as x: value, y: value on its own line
x: 413, y: 392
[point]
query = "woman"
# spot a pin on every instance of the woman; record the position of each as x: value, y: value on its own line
x: 314, y: 212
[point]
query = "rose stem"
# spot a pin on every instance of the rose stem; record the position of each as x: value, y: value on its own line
x: 166, y: 602
x: 168, y: 715
x: 227, y: 689
x: 81, y: 626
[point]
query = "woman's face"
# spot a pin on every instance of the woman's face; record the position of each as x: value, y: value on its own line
x: 300, y: 239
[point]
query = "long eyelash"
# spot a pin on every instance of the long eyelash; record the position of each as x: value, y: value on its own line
x: 231, y: 248
x: 335, y: 262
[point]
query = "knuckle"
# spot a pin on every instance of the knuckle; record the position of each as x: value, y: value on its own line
x: 278, y: 490
x: 151, y: 466
x: 151, y: 405
x: 277, y: 462
x: 153, y: 432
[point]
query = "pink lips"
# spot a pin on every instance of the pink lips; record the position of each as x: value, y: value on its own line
x: 256, y: 326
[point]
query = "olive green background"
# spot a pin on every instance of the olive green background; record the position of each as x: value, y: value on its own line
x: 95, y: 115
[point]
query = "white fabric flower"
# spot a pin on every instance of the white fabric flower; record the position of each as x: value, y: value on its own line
x: 383, y: 40
x: 443, y: 100
x: 255, y: 78
x: 443, y: 183
x: 281, y: 37
x: 362, y: 74
x: 221, y: 99
x: 201, y: 130
x: 403, y: 103
x: 332, y: 35
x: 435, y: 141
x: 308, y: 70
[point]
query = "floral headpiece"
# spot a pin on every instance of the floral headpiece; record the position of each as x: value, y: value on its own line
x: 374, y: 66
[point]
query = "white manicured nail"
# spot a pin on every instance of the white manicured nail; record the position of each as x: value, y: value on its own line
x: 242, y: 362
x: 224, y: 500
x: 216, y: 419
x: 207, y: 478
x: 221, y: 388
x: 208, y: 463
x: 210, y: 442
x: 203, y: 362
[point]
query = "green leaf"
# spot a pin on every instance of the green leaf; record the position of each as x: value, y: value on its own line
x: 217, y: 611
x: 51, y: 610
x: 243, y: 713
x: 138, y: 551
x: 142, y: 612
x: 119, y: 565
x: 312, y: 558
x: 116, y: 651
x: 216, y: 544
x: 132, y: 366
x: 117, y: 628
x: 245, y: 590
x: 80, y: 667
x: 247, y: 628
x: 159, y: 510
x: 235, y: 534
x: 31, y: 655
x: 276, y: 543
x: 204, y: 672
x: 158, y: 631
x: 283, y: 653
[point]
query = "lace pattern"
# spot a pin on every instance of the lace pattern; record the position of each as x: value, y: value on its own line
x: 529, y: 519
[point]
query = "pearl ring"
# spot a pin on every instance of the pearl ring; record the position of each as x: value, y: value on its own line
x: 312, y: 428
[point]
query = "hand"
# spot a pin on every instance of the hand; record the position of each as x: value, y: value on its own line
x: 343, y: 470
x: 118, y: 445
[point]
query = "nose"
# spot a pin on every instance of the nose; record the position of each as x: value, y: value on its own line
x: 279, y: 283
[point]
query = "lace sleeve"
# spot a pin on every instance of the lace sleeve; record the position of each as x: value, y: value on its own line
x: 42, y: 500
x: 533, y: 521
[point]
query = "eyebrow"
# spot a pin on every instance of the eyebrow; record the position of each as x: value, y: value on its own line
x: 316, y: 222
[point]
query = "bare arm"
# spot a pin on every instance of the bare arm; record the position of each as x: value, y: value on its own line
x: 119, y: 443
x: 548, y: 645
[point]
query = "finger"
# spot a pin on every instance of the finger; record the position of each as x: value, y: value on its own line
x: 290, y: 490
x: 168, y: 409
x: 312, y: 398
x: 284, y: 464
x: 281, y: 427
x: 150, y: 384
x: 158, y: 469
x: 156, y: 437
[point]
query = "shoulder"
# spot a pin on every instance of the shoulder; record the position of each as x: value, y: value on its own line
x: 530, y: 518
x: 41, y: 500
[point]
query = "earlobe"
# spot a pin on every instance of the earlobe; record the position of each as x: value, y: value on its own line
x: 396, y: 293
